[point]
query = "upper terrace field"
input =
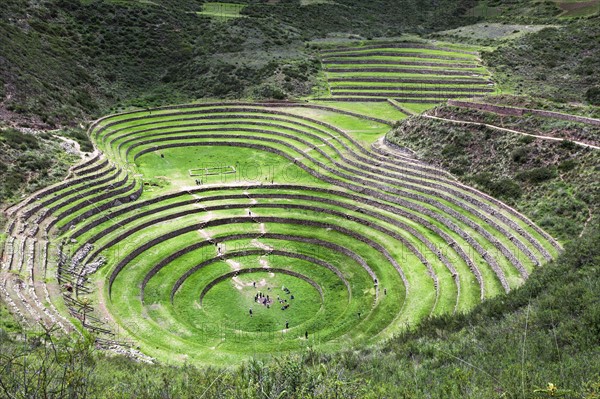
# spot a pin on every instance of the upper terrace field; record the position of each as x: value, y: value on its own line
x: 222, y: 11
x: 405, y: 72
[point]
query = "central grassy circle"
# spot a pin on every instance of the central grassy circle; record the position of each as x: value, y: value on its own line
x: 290, y: 299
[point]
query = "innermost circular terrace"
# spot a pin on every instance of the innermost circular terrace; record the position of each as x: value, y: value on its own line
x: 261, y: 300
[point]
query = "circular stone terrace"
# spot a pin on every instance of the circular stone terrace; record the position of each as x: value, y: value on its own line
x: 213, y: 232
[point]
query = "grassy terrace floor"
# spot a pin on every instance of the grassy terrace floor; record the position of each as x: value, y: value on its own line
x: 194, y: 214
x: 221, y: 11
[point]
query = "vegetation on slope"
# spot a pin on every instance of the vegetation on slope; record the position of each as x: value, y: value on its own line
x: 87, y: 58
x: 29, y: 162
x: 376, y: 18
x: 555, y: 183
x: 405, y: 72
x: 562, y: 64
x: 585, y: 110
x: 522, y: 11
x: 527, y: 11
x: 83, y: 59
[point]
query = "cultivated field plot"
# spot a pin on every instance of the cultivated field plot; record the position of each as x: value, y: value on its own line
x: 222, y: 11
x: 322, y: 236
x: 406, y: 72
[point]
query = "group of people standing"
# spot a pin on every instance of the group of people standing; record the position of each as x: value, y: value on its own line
x: 267, y: 301
x: 263, y: 300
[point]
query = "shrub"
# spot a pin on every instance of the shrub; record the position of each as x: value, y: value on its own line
x: 18, y: 140
x: 567, y: 165
x: 12, y: 180
x: 568, y: 145
x: 537, y: 175
x: 507, y: 188
x: 501, y: 188
x: 526, y: 139
x: 519, y: 155
x: 452, y: 150
x: 593, y: 95
x: 457, y: 171
x: 34, y: 162
x: 269, y: 91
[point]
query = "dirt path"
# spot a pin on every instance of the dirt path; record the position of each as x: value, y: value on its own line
x: 510, y: 131
x: 261, y: 245
x: 72, y: 147
x: 588, y: 220
x: 406, y: 153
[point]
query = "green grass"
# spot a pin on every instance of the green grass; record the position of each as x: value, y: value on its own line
x: 222, y: 11
x: 397, y: 75
x: 391, y: 57
x: 397, y: 346
x: 403, y: 51
x: 406, y: 221
x: 364, y: 131
x: 193, y: 292
x: 237, y: 296
x: 430, y: 69
x: 381, y: 110
x: 391, y: 93
x: 417, y: 107
x: 313, y: 2
x: 252, y: 167
x: 449, y: 85
x: 435, y: 351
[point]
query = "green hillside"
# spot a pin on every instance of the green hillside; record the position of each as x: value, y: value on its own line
x: 87, y: 58
x: 554, y: 63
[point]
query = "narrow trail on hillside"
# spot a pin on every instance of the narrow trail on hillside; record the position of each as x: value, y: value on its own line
x: 510, y: 130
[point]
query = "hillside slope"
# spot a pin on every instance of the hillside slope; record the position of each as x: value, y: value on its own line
x: 67, y: 60
x: 64, y: 61
x: 29, y: 162
x: 555, y: 183
x: 562, y: 64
